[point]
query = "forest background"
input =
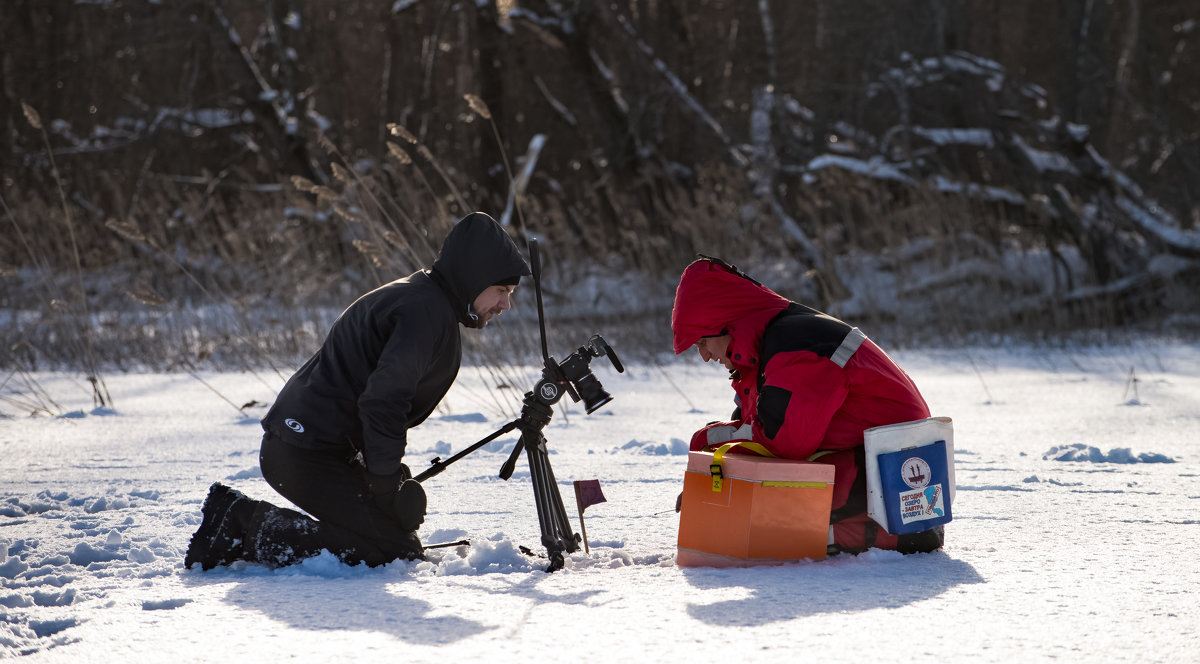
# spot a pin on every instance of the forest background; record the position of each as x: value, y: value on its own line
x: 209, y: 182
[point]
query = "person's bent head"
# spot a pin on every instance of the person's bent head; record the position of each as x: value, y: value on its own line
x: 721, y: 311
x: 479, y: 267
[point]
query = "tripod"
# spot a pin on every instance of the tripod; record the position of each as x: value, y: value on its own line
x: 557, y: 536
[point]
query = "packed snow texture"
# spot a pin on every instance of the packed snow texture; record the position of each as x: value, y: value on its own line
x: 1059, y: 550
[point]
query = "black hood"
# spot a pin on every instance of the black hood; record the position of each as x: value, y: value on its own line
x: 476, y: 254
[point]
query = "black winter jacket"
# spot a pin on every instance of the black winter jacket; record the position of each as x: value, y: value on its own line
x: 392, y: 355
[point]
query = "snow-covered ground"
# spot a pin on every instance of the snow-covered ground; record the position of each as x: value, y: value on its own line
x: 1076, y: 529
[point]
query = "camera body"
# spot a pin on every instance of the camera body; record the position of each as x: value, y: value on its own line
x: 574, y: 376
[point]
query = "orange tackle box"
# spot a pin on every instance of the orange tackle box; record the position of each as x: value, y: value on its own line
x: 740, y: 510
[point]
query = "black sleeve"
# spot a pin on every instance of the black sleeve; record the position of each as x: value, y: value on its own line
x: 385, y: 405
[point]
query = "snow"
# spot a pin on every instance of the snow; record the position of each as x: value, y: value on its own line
x: 1074, y: 539
x: 950, y: 136
x: 1044, y: 161
x: 1160, y: 223
x: 987, y: 193
x: 874, y: 167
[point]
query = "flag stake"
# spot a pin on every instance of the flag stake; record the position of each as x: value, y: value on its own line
x: 583, y: 527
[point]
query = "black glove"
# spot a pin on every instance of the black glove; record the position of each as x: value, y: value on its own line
x: 385, y: 485
x: 408, y: 505
x: 399, y: 496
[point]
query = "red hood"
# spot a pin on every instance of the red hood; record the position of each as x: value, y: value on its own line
x: 713, y: 296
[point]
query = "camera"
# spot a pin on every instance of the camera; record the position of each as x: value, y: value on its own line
x: 574, y: 376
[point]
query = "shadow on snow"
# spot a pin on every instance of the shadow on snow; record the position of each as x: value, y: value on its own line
x: 875, y: 580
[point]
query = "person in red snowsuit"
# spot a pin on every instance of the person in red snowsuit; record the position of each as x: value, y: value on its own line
x: 806, y: 385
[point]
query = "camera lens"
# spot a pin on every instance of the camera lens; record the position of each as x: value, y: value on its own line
x: 592, y: 392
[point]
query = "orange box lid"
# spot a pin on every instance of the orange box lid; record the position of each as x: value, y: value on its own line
x: 762, y: 469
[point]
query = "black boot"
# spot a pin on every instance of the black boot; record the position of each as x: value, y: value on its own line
x: 218, y: 540
x: 925, y: 541
x: 278, y: 537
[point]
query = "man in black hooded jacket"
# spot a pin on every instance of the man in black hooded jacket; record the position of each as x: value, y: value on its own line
x: 335, y: 437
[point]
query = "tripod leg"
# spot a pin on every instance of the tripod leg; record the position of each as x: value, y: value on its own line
x: 557, y: 535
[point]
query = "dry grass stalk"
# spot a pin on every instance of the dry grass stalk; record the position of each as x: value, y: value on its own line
x: 478, y: 106
x: 399, y: 154
x: 393, y: 238
x: 398, y: 130
x: 126, y: 229
x: 303, y: 184
x: 346, y: 212
x: 340, y: 173
x: 370, y: 251
x: 325, y: 194
x: 326, y: 144
x: 31, y: 116
x: 146, y: 294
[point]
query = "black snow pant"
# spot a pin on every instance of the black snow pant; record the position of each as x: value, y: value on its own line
x: 331, y: 487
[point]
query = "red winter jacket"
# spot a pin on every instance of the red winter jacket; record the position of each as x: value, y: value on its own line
x: 806, y: 382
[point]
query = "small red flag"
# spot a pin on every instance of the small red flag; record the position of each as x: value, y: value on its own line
x: 588, y: 493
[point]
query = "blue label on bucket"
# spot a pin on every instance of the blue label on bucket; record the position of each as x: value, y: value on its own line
x: 914, y: 484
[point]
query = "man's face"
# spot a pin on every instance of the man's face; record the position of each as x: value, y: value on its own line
x: 492, y: 301
x: 715, y: 348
